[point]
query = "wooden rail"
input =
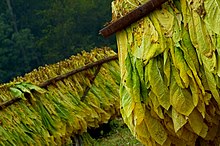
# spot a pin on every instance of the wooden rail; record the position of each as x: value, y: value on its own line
x: 131, y: 17
x: 90, y: 65
x: 60, y: 77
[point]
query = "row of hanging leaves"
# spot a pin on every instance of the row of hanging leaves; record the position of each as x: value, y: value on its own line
x: 50, y: 111
x: 170, y: 72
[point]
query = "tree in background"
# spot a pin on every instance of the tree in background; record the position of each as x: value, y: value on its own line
x: 17, y: 51
x: 38, y: 32
x: 72, y: 25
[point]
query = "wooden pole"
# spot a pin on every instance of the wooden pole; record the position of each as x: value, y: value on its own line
x: 91, y: 82
x: 8, y: 103
x: 131, y: 17
x: 60, y: 77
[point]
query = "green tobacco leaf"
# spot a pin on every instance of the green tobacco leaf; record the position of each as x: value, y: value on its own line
x: 160, y: 31
x: 143, y: 81
x: 126, y: 101
x: 149, y: 37
x: 177, y: 77
x: 122, y: 44
x: 218, y: 56
x: 136, y: 82
x: 180, y: 98
x: 185, y: 11
x: 139, y: 113
x: 156, y: 105
x: 34, y: 87
x: 166, y: 21
x: 158, y: 85
x: 197, y: 124
x: 22, y: 88
x: 128, y: 78
x: 191, y: 57
x: 205, y: 46
x: 167, y: 66
x: 155, y: 129
x: 212, y: 85
x: 47, y: 120
x: 182, y: 66
x: 178, y: 120
x: 190, y: 54
x: 17, y: 93
x: 157, y: 43
x: 212, y: 17
x: 176, y: 36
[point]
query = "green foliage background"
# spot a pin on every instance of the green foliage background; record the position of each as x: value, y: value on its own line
x: 49, y: 31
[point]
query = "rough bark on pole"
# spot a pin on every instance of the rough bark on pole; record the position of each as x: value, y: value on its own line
x: 131, y: 17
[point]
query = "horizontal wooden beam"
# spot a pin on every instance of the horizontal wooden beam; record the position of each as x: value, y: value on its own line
x: 10, y: 102
x: 60, y: 77
x: 90, y: 65
x: 131, y: 17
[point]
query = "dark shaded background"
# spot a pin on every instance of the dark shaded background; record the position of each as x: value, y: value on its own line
x: 38, y: 32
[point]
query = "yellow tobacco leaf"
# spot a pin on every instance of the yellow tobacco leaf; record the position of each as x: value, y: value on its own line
x: 155, y: 129
x: 181, y: 99
x: 197, y: 124
x: 178, y: 120
x: 157, y: 82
